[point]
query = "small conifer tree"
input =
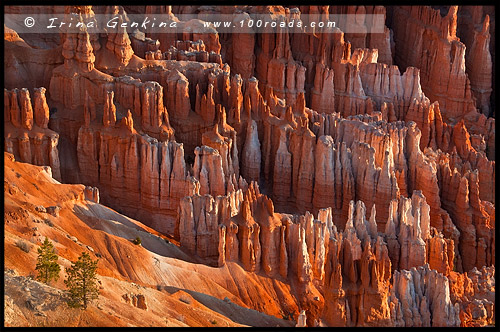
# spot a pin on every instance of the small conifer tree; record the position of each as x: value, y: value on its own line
x: 82, y: 282
x: 47, y: 266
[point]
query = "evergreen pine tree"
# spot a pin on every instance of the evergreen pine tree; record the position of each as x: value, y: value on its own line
x: 47, y: 266
x: 82, y: 282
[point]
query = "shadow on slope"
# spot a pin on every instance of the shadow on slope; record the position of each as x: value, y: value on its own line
x: 100, y: 217
x: 232, y: 310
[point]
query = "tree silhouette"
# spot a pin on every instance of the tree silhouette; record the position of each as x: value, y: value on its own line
x: 81, y: 281
x: 47, y: 266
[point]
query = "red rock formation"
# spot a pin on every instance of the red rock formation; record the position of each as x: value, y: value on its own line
x: 302, y: 149
x: 199, y: 220
x: 446, y: 60
x: 323, y: 95
x: 422, y: 175
x: 472, y: 217
x: 41, y: 109
x: 440, y: 254
x: 109, y: 157
x: 282, y: 173
x: 188, y: 50
x: 479, y: 65
x: 208, y: 169
x: 300, y: 247
x: 146, y: 101
x: 165, y: 39
x: 119, y: 44
x: 26, y: 134
x: 251, y: 154
x: 70, y: 82
x: 227, y: 150
x: 474, y: 292
x: 361, y: 19
x: 411, y: 221
x: 242, y: 56
x: 142, y: 45
x: 421, y: 297
x: 26, y: 109
x: 92, y: 194
x: 381, y: 41
x: 365, y: 271
x: 324, y: 173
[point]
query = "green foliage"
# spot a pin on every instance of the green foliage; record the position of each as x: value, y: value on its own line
x: 47, y: 266
x: 137, y: 241
x: 82, y: 282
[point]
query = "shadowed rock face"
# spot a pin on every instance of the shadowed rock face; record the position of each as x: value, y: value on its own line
x: 356, y: 168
